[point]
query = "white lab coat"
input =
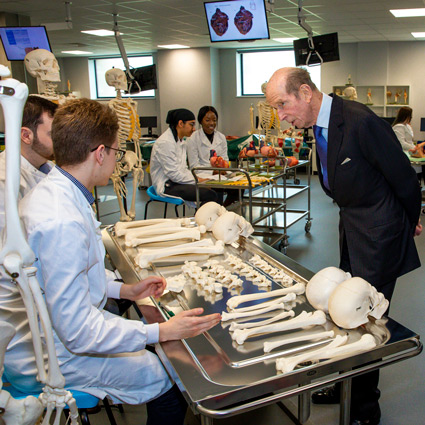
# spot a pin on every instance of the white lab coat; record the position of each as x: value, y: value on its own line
x: 199, y: 146
x: 12, y: 308
x: 169, y: 162
x: 404, y: 133
x: 98, y: 352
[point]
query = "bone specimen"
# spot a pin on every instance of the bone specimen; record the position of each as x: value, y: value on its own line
x: 301, y: 321
x: 120, y: 227
x: 334, y: 349
x: 192, y: 234
x: 206, y: 246
x: 238, y: 314
x: 277, y: 274
x: 229, y: 226
x: 154, y: 230
x: 320, y: 287
x: 208, y: 214
x: 269, y: 346
x: 176, y: 283
x: 233, y: 302
x: 247, y: 325
x: 285, y: 299
x: 353, y: 301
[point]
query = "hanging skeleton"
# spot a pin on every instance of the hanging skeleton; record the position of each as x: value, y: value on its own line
x: 268, y: 120
x: 129, y: 130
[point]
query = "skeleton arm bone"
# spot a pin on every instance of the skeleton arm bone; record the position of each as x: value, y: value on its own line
x: 301, y: 321
x: 285, y: 299
x: 156, y: 230
x: 233, y: 302
x: 238, y: 315
x: 192, y: 234
x: 334, y: 349
x: 269, y: 346
x: 247, y: 325
x: 120, y: 227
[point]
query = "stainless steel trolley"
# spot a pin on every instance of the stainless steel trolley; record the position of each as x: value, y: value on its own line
x: 219, y: 379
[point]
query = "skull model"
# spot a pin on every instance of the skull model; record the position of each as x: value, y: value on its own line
x: 42, y: 64
x: 116, y: 78
x: 322, y: 284
x: 353, y: 301
x: 208, y: 214
x: 229, y: 226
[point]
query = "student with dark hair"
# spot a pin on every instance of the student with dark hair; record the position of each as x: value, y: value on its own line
x: 94, y: 346
x: 169, y: 171
x: 206, y: 139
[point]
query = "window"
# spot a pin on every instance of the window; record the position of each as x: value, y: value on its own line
x: 256, y: 67
x: 100, y: 66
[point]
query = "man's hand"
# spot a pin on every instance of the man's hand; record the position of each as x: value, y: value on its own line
x: 418, y: 229
x: 152, y: 286
x: 201, y: 179
x: 187, y: 324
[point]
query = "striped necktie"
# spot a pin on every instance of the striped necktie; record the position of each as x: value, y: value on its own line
x: 322, y: 150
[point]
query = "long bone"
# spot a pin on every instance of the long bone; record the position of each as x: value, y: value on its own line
x: 193, y: 234
x: 248, y: 325
x: 146, y: 256
x: 285, y: 299
x: 239, y: 315
x: 366, y: 342
x: 154, y: 229
x: 301, y: 321
x: 233, y: 302
x: 269, y: 346
x: 121, y: 226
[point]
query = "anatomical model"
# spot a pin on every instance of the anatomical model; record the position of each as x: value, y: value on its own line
x: 42, y: 64
x: 129, y: 130
x: 16, y: 259
x: 267, y: 119
x: 350, y: 93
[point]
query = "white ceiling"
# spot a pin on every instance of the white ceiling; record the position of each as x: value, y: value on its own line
x: 147, y: 23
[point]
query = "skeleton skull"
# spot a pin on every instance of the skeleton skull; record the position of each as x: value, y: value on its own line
x: 353, y: 301
x: 229, y: 226
x: 42, y: 64
x: 208, y: 214
x: 116, y: 78
x: 322, y: 284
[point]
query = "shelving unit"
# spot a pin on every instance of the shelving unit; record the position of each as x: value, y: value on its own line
x: 384, y: 100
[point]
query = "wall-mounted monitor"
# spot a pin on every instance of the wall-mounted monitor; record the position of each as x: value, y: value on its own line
x: 325, y: 48
x: 144, y: 79
x: 18, y: 41
x: 237, y: 20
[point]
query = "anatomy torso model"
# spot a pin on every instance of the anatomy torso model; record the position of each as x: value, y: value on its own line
x: 129, y: 130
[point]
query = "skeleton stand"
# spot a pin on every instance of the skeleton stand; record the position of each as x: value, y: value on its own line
x: 129, y: 130
x: 16, y: 259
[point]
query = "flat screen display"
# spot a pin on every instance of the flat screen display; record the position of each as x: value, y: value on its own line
x: 326, y: 45
x: 144, y: 79
x: 18, y: 41
x: 237, y: 20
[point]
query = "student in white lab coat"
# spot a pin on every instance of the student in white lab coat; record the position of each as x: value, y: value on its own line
x: 36, y: 153
x: 168, y: 165
x: 206, y: 139
x: 99, y: 352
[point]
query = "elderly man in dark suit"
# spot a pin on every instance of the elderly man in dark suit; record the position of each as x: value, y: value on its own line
x: 364, y: 170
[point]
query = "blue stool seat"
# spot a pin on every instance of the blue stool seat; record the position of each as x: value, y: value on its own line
x: 165, y: 199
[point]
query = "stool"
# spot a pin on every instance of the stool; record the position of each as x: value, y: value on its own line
x: 84, y: 402
x: 165, y: 199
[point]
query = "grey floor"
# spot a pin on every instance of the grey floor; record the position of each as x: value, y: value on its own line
x: 402, y: 384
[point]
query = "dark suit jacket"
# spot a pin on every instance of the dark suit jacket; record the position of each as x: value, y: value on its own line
x: 377, y: 190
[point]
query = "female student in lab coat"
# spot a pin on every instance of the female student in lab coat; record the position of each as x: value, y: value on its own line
x: 204, y: 140
x: 169, y: 171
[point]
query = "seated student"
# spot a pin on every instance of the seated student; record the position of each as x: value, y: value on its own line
x: 99, y: 352
x: 168, y: 164
x: 36, y: 153
x: 204, y: 140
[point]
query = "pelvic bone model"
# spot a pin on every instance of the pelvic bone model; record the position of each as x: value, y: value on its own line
x: 129, y: 130
x: 268, y: 119
x: 16, y: 258
x: 42, y: 64
x: 229, y: 226
x: 353, y: 301
x: 208, y: 214
x: 322, y: 284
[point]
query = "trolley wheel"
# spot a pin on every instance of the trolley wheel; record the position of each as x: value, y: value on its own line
x: 283, y: 244
x: 307, y: 226
x: 297, y: 181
